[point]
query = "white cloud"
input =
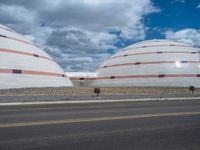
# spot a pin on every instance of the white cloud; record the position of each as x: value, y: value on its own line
x: 198, y: 6
x: 77, y: 27
x: 18, y: 13
x: 190, y: 36
x: 80, y: 40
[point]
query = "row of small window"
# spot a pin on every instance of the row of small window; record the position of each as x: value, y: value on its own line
x: 159, y: 52
x: 18, y: 71
x: 138, y: 63
x: 148, y: 46
x: 4, y: 36
x: 36, y: 55
x: 7, y: 29
x: 159, y: 76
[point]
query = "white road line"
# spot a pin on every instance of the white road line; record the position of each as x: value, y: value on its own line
x: 109, y: 118
x: 95, y: 101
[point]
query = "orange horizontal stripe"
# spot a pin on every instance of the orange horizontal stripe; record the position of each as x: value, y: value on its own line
x: 157, y: 52
x: 147, y: 63
x: 181, y: 75
x: 149, y: 76
x: 138, y: 76
x: 22, y: 53
x: 130, y: 76
x: 40, y: 73
x: 32, y: 72
x: 6, y: 71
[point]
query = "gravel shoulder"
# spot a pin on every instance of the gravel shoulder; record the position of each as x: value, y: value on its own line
x: 87, y: 93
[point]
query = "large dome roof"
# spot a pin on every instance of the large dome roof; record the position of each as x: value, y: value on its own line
x: 23, y: 64
x: 152, y: 63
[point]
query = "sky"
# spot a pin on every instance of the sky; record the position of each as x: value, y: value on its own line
x: 81, y: 34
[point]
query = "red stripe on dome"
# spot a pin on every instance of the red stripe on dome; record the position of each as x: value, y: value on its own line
x: 23, y: 53
x: 6, y: 70
x: 127, y: 49
x: 32, y: 72
x: 40, y: 73
x: 139, y: 76
x: 149, y: 76
x: 181, y: 75
x: 148, y: 63
x: 157, y: 52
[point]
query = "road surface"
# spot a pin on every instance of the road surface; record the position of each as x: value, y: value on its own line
x: 153, y: 125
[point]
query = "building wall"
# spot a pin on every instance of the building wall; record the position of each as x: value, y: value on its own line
x: 24, y: 64
x: 151, y: 63
x: 82, y: 79
x: 147, y: 63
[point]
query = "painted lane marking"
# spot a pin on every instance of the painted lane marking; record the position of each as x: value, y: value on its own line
x: 96, y: 101
x: 68, y: 121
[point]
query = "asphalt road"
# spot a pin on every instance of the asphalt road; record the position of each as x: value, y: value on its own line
x: 158, y: 125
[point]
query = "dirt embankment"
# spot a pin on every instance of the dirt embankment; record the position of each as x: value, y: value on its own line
x: 90, y: 91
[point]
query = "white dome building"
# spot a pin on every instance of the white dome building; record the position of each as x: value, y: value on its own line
x: 24, y: 64
x: 151, y: 63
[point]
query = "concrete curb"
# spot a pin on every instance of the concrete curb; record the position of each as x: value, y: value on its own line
x: 95, y: 101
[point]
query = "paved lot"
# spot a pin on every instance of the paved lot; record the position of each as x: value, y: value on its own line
x: 152, y: 125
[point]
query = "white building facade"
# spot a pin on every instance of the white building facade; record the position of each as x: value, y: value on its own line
x: 82, y: 79
x: 150, y: 63
x: 161, y: 63
x: 24, y: 64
